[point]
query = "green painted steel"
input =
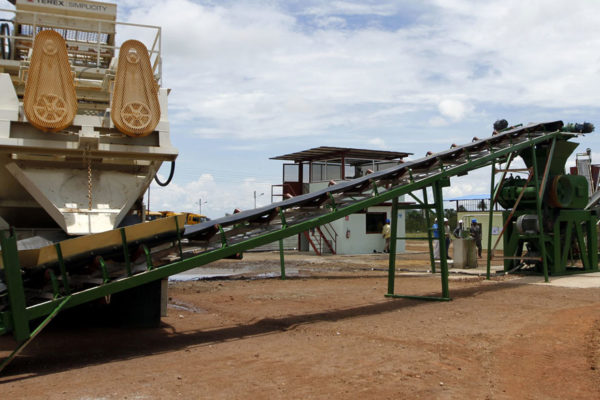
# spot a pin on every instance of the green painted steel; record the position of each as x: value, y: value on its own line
x: 538, y: 207
x: 281, y: 260
x: 20, y: 315
x: 281, y: 254
x: 54, y: 283
x: 439, y: 201
x: 37, y: 330
x: 149, y: 265
x: 429, y: 236
x: 104, y: 270
x: 16, y: 291
x: 63, y: 269
x: 564, y: 230
x: 392, y: 249
x: 490, y: 219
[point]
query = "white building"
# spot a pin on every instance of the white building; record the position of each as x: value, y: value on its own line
x: 314, y: 169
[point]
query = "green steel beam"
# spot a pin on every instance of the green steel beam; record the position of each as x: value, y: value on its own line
x: 439, y: 201
x: 63, y: 269
x: 538, y: 204
x: 422, y: 205
x: 543, y: 185
x: 84, y: 296
x: 54, y: 283
x: 63, y: 302
x: 429, y: 237
x: 281, y: 253
x: 281, y: 259
x: 491, y: 216
x: 392, y: 249
x: 16, y: 291
x: 105, y: 276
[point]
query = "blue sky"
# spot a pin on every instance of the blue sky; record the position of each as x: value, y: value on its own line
x: 255, y: 79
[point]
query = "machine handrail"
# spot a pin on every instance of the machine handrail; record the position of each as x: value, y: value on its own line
x: 153, y: 51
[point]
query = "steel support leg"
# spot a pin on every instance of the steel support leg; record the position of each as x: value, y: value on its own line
x: 281, y: 260
x: 490, y: 249
x: 538, y: 203
x: 429, y: 238
x: 37, y: 330
x: 592, y: 236
x: 16, y: 291
x: 392, y: 264
x: 393, y: 239
x: 439, y: 207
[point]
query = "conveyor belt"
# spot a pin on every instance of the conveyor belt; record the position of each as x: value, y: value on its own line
x: 247, y: 224
x: 349, y: 192
x: 223, y: 237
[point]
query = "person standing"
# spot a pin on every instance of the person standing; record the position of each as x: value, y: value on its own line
x: 436, y: 241
x: 386, y: 232
x: 458, y: 231
x: 475, y: 233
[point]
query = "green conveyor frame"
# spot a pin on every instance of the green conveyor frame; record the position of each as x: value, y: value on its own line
x: 434, y: 170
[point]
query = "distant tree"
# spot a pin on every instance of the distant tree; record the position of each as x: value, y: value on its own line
x: 481, y: 205
x: 415, y: 221
x: 451, y: 215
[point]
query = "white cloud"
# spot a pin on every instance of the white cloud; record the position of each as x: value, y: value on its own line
x: 255, y: 72
x: 437, y: 121
x: 251, y: 70
x: 352, y: 8
x: 217, y: 197
x: 377, y: 143
x: 452, y: 109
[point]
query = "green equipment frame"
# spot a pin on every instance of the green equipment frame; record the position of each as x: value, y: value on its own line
x: 433, y: 171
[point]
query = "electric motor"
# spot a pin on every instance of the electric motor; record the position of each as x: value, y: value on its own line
x: 528, y: 224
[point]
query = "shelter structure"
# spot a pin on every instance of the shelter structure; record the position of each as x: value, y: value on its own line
x: 318, y: 168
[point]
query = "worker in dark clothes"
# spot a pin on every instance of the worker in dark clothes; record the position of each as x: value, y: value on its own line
x: 475, y: 233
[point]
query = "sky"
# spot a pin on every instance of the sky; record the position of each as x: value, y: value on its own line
x: 256, y: 79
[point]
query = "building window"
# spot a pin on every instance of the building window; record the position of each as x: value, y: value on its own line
x: 375, y: 222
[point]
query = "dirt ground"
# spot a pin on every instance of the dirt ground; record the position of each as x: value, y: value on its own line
x: 329, y: 332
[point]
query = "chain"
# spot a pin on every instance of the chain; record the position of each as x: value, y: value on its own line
x: 86, y: 157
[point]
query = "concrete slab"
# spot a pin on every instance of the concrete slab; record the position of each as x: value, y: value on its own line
x: 579, y: 281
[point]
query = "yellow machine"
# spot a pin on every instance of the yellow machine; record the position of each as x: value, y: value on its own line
x: 190, y: 218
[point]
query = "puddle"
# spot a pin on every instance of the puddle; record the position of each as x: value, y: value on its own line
x: 245, y: 272
x: 179, y: 305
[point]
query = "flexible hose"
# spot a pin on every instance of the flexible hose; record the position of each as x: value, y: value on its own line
x: 169, y: 178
